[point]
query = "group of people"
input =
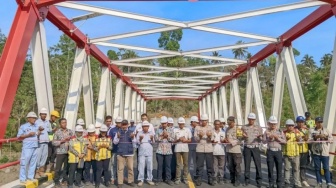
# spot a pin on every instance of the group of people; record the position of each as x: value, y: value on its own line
x: 104, y: 152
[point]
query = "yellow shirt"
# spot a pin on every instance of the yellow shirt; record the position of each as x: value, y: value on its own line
x: 303, y: 148
x: 310, y: 124
x: 91, y: 153
x: 103, y: 153
x: 291, y: 148
x: 77, y: 145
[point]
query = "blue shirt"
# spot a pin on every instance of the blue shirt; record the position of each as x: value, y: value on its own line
x: 112, y: 134
x: 29, y: 142
x: 132, y: 128
x: 193, y: 144
x: 44, y: 136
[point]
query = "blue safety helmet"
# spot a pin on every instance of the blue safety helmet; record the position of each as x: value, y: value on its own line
x: 300, y: 119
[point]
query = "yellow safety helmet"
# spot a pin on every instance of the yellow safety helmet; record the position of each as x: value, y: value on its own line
x: 55, y: 113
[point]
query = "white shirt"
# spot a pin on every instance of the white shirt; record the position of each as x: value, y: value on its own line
x: 139, y: 128
x: 218, y: 148
x: 178, y: 133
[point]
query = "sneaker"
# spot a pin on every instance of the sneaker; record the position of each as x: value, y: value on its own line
x: 131, y: 184
x: 329, y: 186
x: 169, y: 182
x: 120, y: 185
x: 23, y: 181
x: 185, y: 181
x: 140, y: 183
x: 297, y: 186
x: 305, y: 184
x: 64, y: 183
x: 158, y: 183
x: 150, y: 183
x: 177, y: 182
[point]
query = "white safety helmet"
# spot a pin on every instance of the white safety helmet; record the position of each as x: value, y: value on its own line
x: 145, y: 123
x: 222, y: 120
x: 80, y: 121
x: 103, y: 128
x: 170, y: 120
x: 163, y: 119
x: 79, y: 128
x: 118, y: 119
x: 204, y: 117
x: 181, y: 120
x: 31, y: 115
x: 251, y: 116
x: 91, y: 128
x: 290, y: 122
x: 43, y: 111
x: 194, y: 118
x: 273, y: 119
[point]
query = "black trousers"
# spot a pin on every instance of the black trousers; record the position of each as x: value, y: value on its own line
x: 255, y: 154
x: 208, y: 158
x: 303, y: 165
x: 87, y: 167
x: 234, y: 161
x: 103, y: 166
x: 51, y: 153
x: 75, y: 174
x: 61, y: 160
x: 163, y: 162
x: 173, y: 164
x: 274, y: 158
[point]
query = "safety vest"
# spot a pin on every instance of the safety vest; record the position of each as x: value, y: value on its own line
x: 91, y: 153
x: 51, y: 134
x: 303, y: 148
x: 103, y: 153
x: 291, y: 148
x: 310, y: 124
x: 79, y: 145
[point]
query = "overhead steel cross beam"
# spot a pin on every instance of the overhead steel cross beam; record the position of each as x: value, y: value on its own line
x: 64, y: 24
x: 171, y: 98
x: 197, y: 25
x: 321, y: 14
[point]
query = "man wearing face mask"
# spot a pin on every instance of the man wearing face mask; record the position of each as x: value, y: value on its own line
x: 204, y: 150
x: 233, y: 151
x: 273, y: 137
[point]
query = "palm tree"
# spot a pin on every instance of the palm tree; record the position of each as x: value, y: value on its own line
x: 309, y: 62
x: 240, y: 53
x: 326, y: 60
x: 215, y: 54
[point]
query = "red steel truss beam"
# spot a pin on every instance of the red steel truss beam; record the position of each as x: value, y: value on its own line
x: 64, y: 24
x: 12, y: 60
x: 315, y: 18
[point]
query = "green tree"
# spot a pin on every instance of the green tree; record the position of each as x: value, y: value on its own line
x: 309, y: 62
x: 169, y: 40
x: 240, y: 53
x: 112, y: 55
x: 326, y: 60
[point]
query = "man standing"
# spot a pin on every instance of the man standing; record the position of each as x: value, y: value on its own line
x: 204, y: 149
x: 192, y: 146
x: 310, y: 124
x: 132, y: 126
x: 252, y: 136
x: 28, y: 132
x: 61, y: 142
x: 125, y: 139
x: 273, y: 137
x: 164, y: 151
x: 233, y: 151
x: 303, y: 147
x: 173, y: 160
x: 182, y: 137
x: 42, y: 151
x: 54, y: 115
x: 144, y: 117
x: 219, y: 152
x: 292, y: 154
x: 113, y: 163
x: 321, y: 151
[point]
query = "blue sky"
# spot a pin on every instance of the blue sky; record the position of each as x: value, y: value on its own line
x: 317, y: 42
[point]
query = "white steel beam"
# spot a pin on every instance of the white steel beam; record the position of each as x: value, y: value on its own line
x: 172, y: 86
x: 117, y: 98
x: 137, y: 48
x: 102, y: 97
x: 127, y: 103
x: 200, y: 107
x: 237, y: 101
x: 175, y: 90
x: 142, y: 58
x: 263, y: 11
x: 212, y: 66
x: 169, y: 97
x: 234, y: 33
x: 41, y: 70
x: 75, y: 88
x: 177, y: 94
x: 142, y: 105
x: 222, y: 94
x: 144, y: 66
x: 85, y: 17
x: 293, y: 82
x: 191, y: 85
x: 208, y: 99
x: 111, y: 12
x: 122, y: 100
x: 134, y: 34
x: 228, y: 47
x: 278, y: 88
x: 150, y: 72
x: 248, y: 96
x: 178, y: 79
x: 138, y: 107
x: 88, y: 94
x: 133, y: 109
x: 330, y: 107
x: 145, y: 106
x: 204, y: 110
x: 214, y: 105
x: 258, y: 99
x: 232, y: 102
x: 109, y: 96
x: 216, y: 58
x: 171, y: 78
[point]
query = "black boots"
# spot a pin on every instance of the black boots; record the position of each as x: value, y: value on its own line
x: 198, y: 181
x: 211, y: 181
x: 237, y: 181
